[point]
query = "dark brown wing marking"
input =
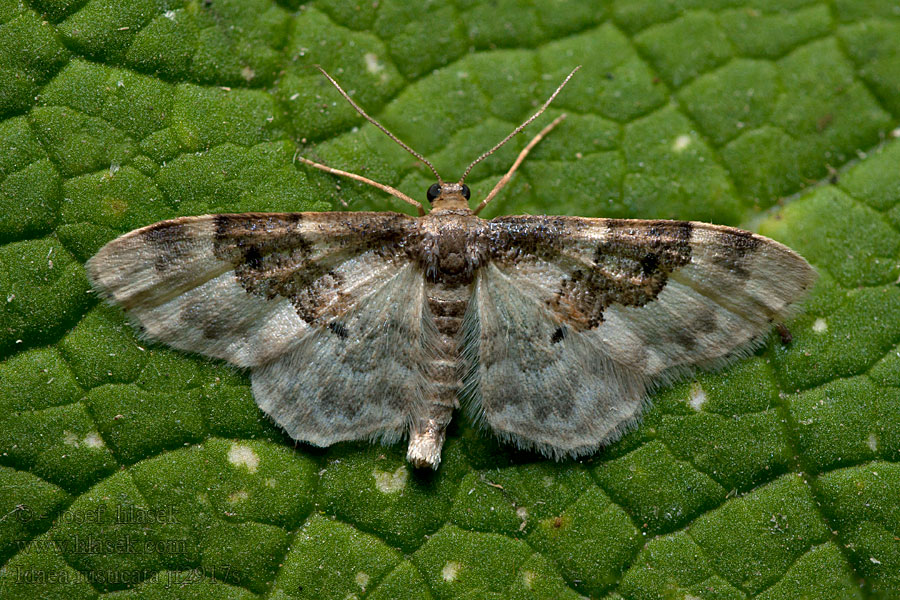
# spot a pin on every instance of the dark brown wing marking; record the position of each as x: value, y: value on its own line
x: 296, y: 255
x: 629, y: 265
x: 165, y: 238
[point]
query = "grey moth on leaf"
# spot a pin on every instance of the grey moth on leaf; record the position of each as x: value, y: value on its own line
x: 549, y: 330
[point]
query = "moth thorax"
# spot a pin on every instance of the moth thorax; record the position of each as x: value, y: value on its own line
x: 453, y: 262
x: 452, y: 251
x: 450, y: 255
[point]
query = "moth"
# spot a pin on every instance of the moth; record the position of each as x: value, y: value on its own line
x: 548, y: 330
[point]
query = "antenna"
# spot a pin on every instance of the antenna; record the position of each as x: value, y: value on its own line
x: 505, y: 179
x: 384, y: 129
x: 516, y: 130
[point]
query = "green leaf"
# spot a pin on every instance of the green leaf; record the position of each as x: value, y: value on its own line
x: 130, y: 470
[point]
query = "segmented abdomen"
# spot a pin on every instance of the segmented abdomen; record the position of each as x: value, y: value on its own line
x: 447, y: 306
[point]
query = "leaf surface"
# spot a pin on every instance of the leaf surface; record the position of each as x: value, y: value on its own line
x: 130, y: 470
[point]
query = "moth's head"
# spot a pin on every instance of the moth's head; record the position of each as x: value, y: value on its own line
x: 448, y: 196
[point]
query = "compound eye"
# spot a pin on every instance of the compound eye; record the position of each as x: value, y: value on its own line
x: 433, y: 192
x: 465, y: 192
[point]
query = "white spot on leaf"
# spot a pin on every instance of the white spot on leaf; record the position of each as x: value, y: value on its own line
x: 528, y: 578
x: 697, y: 397
x: 241, y: 455
x: 872, y: 442
x: 391, y: 483
x: 450, y: 571
x: 362, y: 580
x: 238, y: 496
x: 373, y: 65
x: 820, y: 326
x: 681, y: 142
x: 93, y: 440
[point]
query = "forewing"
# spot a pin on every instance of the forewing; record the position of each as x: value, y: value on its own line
x: 611, y: 308
x: 247, y: 287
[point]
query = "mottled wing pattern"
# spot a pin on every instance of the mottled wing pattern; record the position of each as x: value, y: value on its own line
x: 575, y: 319
x: 363, y: 377
x: 275, y: 292
x: 534, y: 380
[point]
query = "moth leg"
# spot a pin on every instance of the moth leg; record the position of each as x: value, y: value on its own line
x: 785, y: 333
x: 426, y: 436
